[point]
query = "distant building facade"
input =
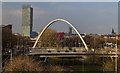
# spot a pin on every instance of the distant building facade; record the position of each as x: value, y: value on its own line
x: 27, y: 20
x: 70, y: 30
x: 34, y: 34
x: 113, y: 32
x: 7, y: 26
x: 6, y: 35
x: 60, y: 35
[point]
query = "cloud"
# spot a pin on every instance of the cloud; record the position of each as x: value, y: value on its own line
x: 12, y: 12
x: 39, y: 11
x: 12, y: 16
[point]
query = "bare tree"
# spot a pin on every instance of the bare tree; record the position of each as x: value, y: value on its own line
x: 48, y: 38
x: 29, y: 65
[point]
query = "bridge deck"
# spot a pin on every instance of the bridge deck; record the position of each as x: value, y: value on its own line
x: 71, y: 54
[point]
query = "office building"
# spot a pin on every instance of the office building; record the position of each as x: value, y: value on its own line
x: 27, y: 20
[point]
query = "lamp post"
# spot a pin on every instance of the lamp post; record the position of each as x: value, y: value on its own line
x: 105, y: 42
x: 10, y: 51
x: 79, y: 44
x: 116, y: 55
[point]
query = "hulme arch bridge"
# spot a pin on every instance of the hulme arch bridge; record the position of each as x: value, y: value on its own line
x: 44, y: 53
x: 53, y: 21
x: 74, y: 54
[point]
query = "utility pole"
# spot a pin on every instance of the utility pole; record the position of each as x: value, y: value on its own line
x: 105, y: 42
x: 11, y: 56
x: 116, y: 55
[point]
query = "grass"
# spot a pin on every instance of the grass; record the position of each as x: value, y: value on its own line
x: 79, y: 68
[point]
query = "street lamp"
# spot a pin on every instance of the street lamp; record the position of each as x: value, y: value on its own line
x: 116, y: 55
x: 116, y: 41
x: 79, y: 44
x: 105, y: 42
x: 10, y: 51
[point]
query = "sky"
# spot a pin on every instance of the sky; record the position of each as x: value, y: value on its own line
x: 87, y: 17
x: 59, y: 0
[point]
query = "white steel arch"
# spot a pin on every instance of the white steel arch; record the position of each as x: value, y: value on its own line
x: 62, y: 21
